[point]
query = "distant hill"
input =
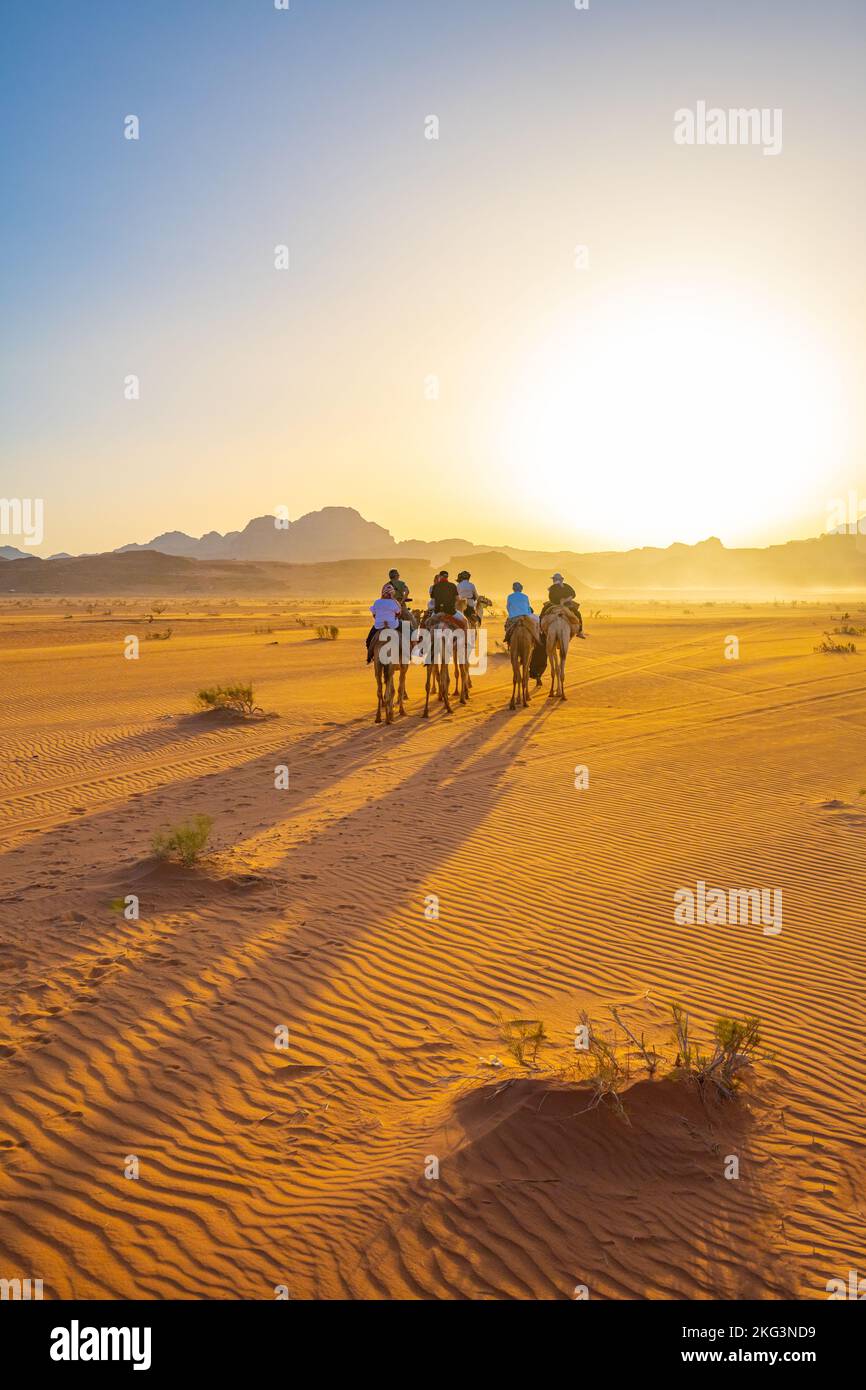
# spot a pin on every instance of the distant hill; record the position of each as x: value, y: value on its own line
x: 302, y: 556
x: 333, y: 533
x: 150, y: 573
x: 825, y: 563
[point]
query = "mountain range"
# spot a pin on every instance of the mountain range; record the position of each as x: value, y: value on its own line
x: 338, y: 551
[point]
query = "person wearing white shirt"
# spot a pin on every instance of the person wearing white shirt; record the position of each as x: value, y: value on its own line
x: 467, y: 592
x: 386, y: 613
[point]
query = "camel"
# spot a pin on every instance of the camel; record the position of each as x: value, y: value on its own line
x: 438, y: 671
x: 460, y: 643
x: 556, y: 627
x: 474, y: 620
x: 521, y: 647
x: 385, y: 682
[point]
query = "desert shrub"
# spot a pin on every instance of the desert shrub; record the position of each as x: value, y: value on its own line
x: 648, y: 1055
x: 835, y: 648
x: 328, y: 634
x: 158, y: 636
x: 735, y: 1046
x: 237, y: 697
x: 608, y: 1071
x: 186, y: 841
x: 846, y: 630
x: 523, y: 1037
x: 608, y: 1059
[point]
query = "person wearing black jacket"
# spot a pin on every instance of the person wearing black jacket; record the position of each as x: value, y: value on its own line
x: 559, y: 591
x: 562, y: 594
x: 444, y: 595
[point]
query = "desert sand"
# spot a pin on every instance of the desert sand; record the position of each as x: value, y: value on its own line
x: 306, y: 1167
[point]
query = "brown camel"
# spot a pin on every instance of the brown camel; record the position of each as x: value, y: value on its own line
x: 520, y: 647
x: 474, y: 635
x: 384, y: 682
x: 438, y: 670
x: 557, y: 627
x: 460, y: 644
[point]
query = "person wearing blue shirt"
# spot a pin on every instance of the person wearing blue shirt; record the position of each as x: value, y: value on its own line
x: 518, y: 606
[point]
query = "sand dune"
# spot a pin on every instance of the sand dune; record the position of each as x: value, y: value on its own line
x: 306, y: 1167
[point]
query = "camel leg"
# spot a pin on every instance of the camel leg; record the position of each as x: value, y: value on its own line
x: 551, y: 661
x: 425, y: 713
x: 401, y: 691
x: 562, y: 694
x: 443, y: 687
x: 378, y: 694
x: 464, y: 684
x: 513, y: 704
x: 389, y: 696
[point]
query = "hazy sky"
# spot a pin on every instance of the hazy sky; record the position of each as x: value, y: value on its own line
x: 702, y: 374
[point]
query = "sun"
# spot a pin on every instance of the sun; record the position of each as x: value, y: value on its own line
x: 673, y: 417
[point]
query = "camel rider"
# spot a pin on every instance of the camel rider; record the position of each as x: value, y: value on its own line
x: 467, y: 594
x: 562, y: 595
x: 387, y: 612
x: 400, y: 587
x: 401, y: 594
x: 444, y: 596
x: 518, y: 606
x: 431, y: 606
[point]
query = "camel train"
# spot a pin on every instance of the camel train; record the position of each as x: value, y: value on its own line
x: 448, y: 633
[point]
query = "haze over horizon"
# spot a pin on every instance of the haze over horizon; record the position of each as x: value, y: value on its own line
x: 433, y: 356
x: 318, y: 522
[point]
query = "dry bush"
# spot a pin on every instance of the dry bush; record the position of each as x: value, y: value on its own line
x: 607, y: 1068
x: 237, y: 697
x: 522, y: 1037
x: 735, y: 1046
x: 835, y: 648
x: 613, y: 1056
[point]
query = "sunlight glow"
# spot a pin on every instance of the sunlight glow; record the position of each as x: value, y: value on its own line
x: 673, y: 419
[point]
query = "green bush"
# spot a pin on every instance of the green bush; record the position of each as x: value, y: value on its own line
x: 186, y: 841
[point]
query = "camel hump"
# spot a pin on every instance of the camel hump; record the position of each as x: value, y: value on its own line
x: 561, y: 611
